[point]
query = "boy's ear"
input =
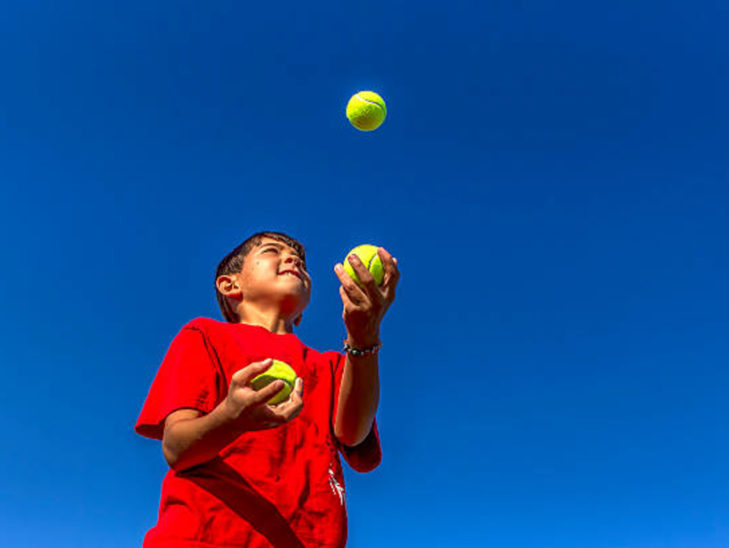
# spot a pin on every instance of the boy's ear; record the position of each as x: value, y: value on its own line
x: 229, y: 286
x: 297, y: 321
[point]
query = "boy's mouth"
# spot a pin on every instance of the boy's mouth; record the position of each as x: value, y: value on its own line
x: 294, y: 272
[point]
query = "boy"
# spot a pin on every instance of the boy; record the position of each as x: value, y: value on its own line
x: 245, y: 473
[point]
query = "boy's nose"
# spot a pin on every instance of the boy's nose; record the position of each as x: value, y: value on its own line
x: 293, y: 259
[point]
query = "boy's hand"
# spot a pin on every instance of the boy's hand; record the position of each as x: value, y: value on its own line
x: 364, y: 307
x: 248, y: 407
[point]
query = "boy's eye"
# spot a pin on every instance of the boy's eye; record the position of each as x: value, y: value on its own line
x: 270, y: 249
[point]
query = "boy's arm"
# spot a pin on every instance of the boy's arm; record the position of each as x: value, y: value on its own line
x: 364, y: 308
x: 191, y: 439
x: 359, y: 395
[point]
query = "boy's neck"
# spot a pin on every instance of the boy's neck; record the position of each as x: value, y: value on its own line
x: 273, y: 321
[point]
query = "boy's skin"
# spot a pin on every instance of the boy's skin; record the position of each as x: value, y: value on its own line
x: 272, y: 290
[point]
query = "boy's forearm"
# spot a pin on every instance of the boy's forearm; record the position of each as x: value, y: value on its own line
x: 190, y: 442
x: 359, y: 395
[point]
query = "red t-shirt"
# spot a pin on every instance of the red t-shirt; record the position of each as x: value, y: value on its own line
x: 281, y: 487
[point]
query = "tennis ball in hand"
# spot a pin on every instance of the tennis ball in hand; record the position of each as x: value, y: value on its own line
x: 366, y: 110
x: 370, y: 259
x: 278, y: 371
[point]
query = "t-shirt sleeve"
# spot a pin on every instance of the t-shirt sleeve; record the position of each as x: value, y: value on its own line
x: 367, y: 455
x: 189, y: 377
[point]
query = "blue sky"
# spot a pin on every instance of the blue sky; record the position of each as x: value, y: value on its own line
x: 553, y: 178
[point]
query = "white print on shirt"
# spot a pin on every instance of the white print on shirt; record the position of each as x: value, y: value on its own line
x: 337, y: 489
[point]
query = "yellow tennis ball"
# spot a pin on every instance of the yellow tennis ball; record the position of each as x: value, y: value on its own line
x: 366, y: 110
x: 278, y: 371
x: 368, y: 255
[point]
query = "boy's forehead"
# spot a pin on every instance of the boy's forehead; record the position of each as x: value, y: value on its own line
x: 267, y: 240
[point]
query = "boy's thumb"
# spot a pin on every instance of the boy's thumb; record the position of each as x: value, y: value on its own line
x: 245, y: 374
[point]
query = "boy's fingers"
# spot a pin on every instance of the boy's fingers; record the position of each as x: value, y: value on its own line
x: 295, y: 411
x: 347, y: 282
x: 292, y: 407
x: 369, y: 286
x: 345, y: 278
x: 274, y: 414
x: 385, y: 256
x: 296, y: 393
x: 298, y: 388
x: 341, y: 274
x: 348, y: 303
x: 297, y: 396
x: 364, y: 275
x: 392, y: 274
x: 267, y: 392
x: 354, y: 293
x: 250, y: 371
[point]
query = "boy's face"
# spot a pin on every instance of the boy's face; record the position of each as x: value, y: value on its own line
x: 273, y: 271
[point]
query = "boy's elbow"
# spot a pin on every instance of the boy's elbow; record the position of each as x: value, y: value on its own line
x: 179, y: 460
x: 173, y: 455
x: 347, y: 441
x: 176, y: 463
x: 350, y: 438
x: 170, y: 456
x: 175, y: 444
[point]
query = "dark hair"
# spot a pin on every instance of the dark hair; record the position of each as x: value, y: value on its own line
x: 232, y: 263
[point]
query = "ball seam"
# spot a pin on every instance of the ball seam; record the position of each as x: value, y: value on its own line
x: 378, y: 105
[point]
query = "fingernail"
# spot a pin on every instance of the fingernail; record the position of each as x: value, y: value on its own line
x: 337, y: 268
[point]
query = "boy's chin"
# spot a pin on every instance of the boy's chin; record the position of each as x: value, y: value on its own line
x: 295, y: 294
x: 292, y: 284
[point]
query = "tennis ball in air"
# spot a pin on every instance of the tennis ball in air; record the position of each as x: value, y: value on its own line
x: 368, y: 255
x: 278, y: 371
x: 366, y: 110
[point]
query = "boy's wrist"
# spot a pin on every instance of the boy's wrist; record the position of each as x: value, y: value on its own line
x: 361, y: 351
x: 362, y: 340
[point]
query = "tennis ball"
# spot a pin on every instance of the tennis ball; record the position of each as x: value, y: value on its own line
x: 278, y: 371
x: 368, y: 255
x: 366, y: 110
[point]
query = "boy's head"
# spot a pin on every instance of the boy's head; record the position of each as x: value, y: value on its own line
x: 268, y: 267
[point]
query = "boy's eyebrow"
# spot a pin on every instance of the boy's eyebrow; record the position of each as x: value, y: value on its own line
x: 275, y: 244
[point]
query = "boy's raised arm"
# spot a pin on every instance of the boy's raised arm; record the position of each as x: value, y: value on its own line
x: 364, y: 308
x: 191, y: 439
x: 359, y: 395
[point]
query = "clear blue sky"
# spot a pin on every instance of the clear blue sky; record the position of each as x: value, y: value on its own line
x: 553, y: 178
